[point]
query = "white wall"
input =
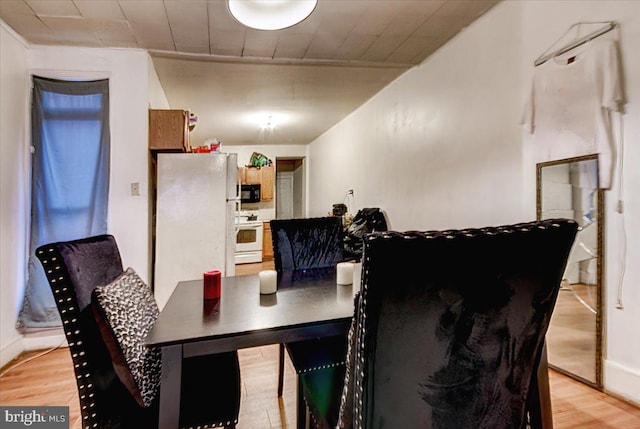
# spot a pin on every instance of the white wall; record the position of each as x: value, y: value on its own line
x: 128, y: 75
x: 438, y: 147
x: 441, y: 148
x: 13, y: 187
x: 127, y: 71
x: 157, y: 96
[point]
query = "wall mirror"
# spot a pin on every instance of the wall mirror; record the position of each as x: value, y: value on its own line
x: 569, y: 189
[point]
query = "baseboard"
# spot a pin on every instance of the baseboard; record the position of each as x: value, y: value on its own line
x: 35, y: 340
x: 46, y: 339
x: 11, y: 351
x: 622, y: 382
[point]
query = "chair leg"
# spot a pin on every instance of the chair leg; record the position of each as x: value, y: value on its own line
x: 544, y: 393
x: 281, y: 370
x: 539, y: 401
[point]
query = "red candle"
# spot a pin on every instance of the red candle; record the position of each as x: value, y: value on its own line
x: 212, y: 284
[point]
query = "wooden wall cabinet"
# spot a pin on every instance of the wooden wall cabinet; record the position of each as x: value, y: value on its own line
x: 169, y: 130
x: 263, y: 176
x: 267, y: 244
x: 267, y: 183
x: 252, y: 176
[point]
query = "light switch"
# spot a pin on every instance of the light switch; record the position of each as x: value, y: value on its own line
x: 135, y: 189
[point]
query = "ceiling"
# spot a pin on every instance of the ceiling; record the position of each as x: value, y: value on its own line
x: 307, y: 77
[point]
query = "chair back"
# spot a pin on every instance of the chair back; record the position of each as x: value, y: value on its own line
x: 74, y: 269
x: 302, y: 244
x: 451, y: 324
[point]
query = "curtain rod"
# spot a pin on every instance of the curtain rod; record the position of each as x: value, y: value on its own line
x: 610, y: 26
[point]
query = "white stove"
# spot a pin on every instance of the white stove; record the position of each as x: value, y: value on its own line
x: 248, y: 239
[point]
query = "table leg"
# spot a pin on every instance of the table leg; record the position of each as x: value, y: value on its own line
x: 170, y: 382
x: 282, y: 351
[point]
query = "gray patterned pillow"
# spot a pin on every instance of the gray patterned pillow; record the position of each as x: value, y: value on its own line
x: 125, y: 311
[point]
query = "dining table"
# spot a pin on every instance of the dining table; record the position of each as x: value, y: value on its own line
x: 307, y: 304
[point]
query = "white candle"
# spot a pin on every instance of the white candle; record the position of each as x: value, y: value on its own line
x: 268, y: 282
x: 344, y: 275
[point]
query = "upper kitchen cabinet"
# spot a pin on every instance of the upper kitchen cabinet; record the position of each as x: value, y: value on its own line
x: 251, y: 175
x: 263, y: 176
x: 267, y: 185
x: 169, y: 130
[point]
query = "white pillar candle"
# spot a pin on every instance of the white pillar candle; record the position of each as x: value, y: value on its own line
x: 344, y: 275
x: 268, y: 282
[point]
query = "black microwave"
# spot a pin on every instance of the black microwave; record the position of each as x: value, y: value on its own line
x: 250, y: 193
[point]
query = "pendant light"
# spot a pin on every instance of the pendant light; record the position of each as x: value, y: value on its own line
x: 271, y: 14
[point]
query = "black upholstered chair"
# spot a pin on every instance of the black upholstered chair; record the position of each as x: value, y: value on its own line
x: 74, y: 270
x: 308, y: 245
x: 448, y: 330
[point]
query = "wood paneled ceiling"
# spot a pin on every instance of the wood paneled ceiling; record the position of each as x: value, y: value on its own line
x: 311, y: 75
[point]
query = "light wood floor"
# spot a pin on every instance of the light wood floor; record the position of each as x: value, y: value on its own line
x: 48, y: 380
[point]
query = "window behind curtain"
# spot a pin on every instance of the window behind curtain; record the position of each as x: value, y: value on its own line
x: 70, y: 178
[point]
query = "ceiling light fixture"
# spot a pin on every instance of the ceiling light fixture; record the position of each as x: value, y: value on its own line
x: 271, y: 14
x: 267, y: 120
x: 270, y: 124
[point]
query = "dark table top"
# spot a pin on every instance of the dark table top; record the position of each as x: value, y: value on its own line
x: 303, y: 300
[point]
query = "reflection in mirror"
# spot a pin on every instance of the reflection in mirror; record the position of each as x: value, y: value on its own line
x: 569, y: 189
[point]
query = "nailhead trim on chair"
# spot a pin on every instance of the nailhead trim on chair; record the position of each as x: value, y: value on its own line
x: 217, y: 425
x: 360, y: 367
x: 315, y: 368
x: 66, y: 301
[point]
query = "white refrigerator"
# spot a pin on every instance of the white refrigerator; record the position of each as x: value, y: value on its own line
x: 196, y: 206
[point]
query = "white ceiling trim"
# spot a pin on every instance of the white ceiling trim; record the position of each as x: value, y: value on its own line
x: 278, y: 61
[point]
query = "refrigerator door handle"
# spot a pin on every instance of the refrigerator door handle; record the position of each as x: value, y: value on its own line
x: 236, y: 212
x: 233, y: 187
x: 237, y: 219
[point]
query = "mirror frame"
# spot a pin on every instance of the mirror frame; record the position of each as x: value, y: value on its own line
x: 600, y: 264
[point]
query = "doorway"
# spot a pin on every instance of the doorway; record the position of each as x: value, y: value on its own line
x: 290, y: 196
